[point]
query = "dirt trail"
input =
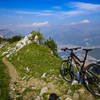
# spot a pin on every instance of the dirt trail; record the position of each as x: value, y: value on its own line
x: 12, y: 71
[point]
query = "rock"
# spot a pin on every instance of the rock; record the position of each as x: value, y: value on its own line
x: 23, y: 77
x: 4, y: 53
x: 60, y: 76
x: 81, y: 90
x: 51, y: 52
x: 10, y: 54
x: 23, y: 89
x: 27, y: 69
x: 26, y: 40
x: 43, y: 90
x: 36, y: 39
x: 44, y: 75
x: 29, y: 41
x: 38, y: 98
x: 68, y: 98
x: 75, y: 82
x: 75, y: 96
x: 69, y: 91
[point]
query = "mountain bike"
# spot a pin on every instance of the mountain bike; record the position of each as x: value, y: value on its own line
x: 74, y: 69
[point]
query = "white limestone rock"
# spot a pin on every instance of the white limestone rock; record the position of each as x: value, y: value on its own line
x: 44, y: 75
x: 43, y: 90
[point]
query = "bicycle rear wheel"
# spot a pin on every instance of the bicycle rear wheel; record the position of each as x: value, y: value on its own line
x: 92, y: 81
x: 67, y: 71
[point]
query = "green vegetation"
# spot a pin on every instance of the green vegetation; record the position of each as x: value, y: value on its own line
x: 11, y: 40
x: 4, y: 82
x: 37, y: 58
x: 52, y: 45
x: 40, y: 36
x: 14, y: 39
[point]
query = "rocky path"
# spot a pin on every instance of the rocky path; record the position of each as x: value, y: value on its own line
x: 22, y: 85
x: 38, y: 87
x: 12, y: 71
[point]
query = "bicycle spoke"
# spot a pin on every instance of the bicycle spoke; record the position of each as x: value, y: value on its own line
x: 66, y: 71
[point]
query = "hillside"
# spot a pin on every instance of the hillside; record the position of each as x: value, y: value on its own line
x: 35, y: 73
x: 39, y: 76
x: 37, y: 58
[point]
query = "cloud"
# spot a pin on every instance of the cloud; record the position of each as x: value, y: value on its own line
x: 71, y: 13
x: 81, y: 8
x: 85, y: 21
x: 35, y: 24
x: 85, y: 6
x: 39, y: 13
x: 40, y: 24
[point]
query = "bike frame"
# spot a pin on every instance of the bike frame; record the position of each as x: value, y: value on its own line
x: 78, y: 61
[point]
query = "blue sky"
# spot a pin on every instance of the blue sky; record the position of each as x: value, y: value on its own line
x: 23, y: 16
x: 37, y: 11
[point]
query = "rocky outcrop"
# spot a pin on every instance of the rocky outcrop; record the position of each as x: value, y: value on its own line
x: 26, y: 40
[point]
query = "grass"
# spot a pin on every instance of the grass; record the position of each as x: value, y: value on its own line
x: 38, y: 59
x: 4, y: 82
x: 34, y: 60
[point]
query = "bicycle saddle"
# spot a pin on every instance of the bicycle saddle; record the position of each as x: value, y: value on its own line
x: 88, y: 49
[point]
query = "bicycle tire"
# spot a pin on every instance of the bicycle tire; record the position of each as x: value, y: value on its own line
x: 92, y: 81
x: 67, y: 71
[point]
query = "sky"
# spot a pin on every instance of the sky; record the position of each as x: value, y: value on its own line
x: 23, y: 16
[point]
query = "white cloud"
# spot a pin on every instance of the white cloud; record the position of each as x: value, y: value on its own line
x: 85, y: 21
x: 86, y: 6
x: 82, y: 8
x: 39, y: 13
x: 71, y: 13
x: 40, y: 24
x: 35, y: 24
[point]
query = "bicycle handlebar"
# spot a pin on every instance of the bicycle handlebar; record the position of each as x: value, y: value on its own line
x: 70, y: 49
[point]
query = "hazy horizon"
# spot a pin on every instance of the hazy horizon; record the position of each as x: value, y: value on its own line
x: 73, y: 22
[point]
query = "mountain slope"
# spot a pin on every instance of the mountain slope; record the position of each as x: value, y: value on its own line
x: 40, y: 75
x: 95, y: 53
x: 37, y: 58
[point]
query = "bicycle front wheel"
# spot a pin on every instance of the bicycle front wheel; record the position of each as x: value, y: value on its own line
x: 67, y: 71
x: 92, y: 81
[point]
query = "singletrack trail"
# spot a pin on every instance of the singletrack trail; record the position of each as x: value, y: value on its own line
x: 12, y: 71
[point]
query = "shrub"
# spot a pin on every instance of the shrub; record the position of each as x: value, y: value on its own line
x: 14, y: 39
x: 52, y: 45
x: 40, y: 36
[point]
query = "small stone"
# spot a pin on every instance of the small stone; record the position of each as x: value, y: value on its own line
x: 81, y: 90
x: 23, y: 77
x: 43, y: 90
x: 44, y: 75
x: 60, y: 76
x: 4, y: 53
x: 75, y: 96
x: 27, y: 69
x: 23, y: 90
x: 38, y: 98
x: 75, y: 82
x: 69, y: 91
x: 68, y: 98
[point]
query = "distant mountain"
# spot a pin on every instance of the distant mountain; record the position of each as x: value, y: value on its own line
x: 6, y: 33
x: 82, y: 34
x: 95, y: 53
